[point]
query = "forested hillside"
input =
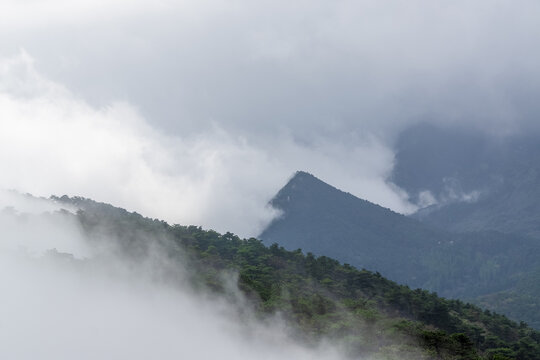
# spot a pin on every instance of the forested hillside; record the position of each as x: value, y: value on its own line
x: 479, y: 182
x: 319, y: 296
x: 476, y: 266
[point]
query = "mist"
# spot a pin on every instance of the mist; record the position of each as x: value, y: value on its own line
x: 52, y: 311
x: 214, y: 178
x: 200, y: 112
x: 70, y: 292
x: 99, y: 304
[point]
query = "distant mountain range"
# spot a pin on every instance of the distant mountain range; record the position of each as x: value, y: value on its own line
x: 482, y: 266
x: 476, y: 182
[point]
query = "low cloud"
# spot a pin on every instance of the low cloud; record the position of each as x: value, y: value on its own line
x: 452, y: 192
x: 197, y: 112
x: 29, y: 227
x: 56, y: 311
x: 101, y: 307
x: 312, y: 67
x: 53, y: 142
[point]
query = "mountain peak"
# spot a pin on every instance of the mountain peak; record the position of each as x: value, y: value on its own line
x: 301, y: 173
x: 302, y: 177
x: 302, y: 188
x: 322, y: 219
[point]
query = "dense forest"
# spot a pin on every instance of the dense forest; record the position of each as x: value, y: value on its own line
x: 318, y: 296
x: 491, y: 268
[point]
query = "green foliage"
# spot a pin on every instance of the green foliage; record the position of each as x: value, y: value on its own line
x: 500, y: 271
x: 367, y: 313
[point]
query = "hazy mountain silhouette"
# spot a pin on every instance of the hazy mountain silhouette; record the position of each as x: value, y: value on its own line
x: 478, y: 182
x: 321, y: 219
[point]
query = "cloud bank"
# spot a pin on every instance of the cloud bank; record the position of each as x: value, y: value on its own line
x: 312, y: 67
x: 53, y: 142
x: 197, y: 112
x: 102, y: 307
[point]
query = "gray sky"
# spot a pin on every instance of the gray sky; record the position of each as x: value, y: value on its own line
x: 198, y: 111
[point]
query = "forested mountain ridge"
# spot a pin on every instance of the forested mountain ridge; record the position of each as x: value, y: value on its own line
x: 326, y: 221
x: 478, y: 182
x: 319, y: 296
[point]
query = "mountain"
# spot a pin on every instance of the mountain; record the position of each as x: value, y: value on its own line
x: 475, y: 182
x: 321, y: 219
x: 365, y: 313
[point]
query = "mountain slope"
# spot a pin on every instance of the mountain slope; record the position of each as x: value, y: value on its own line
x: 368, y: 314
x: 324, y: 220
x: 321, y: 219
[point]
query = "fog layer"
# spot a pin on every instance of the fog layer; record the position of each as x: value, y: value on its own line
x: 100, y: 306
x: 54, y: 142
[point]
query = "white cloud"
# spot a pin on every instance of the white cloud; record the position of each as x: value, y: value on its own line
x: 55, y: 311
x: 360, y: 65
x: 24, y: 14
x: 105, y: 308
x: 52, y: 142
x: 221, y: 102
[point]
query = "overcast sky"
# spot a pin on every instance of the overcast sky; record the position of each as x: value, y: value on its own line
x: 199, y: 111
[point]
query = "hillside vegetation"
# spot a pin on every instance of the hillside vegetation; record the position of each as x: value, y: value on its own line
x: 319, y: 296
x: 476, y: 266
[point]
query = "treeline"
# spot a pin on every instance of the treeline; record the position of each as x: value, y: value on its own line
x: 498, y: 270
x: 321, y: 297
